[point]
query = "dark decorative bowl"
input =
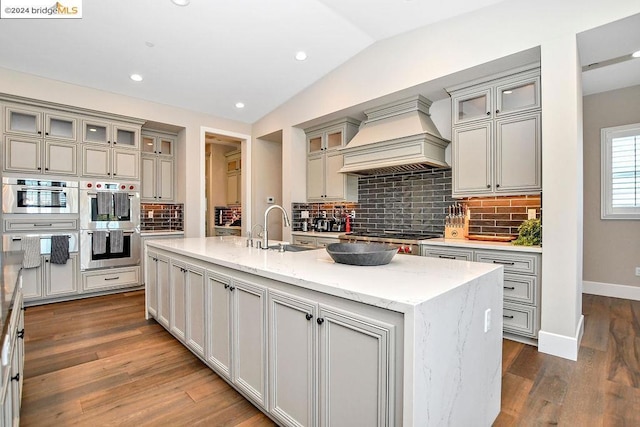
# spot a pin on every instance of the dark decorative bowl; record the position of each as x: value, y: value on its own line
x: 361, y: 253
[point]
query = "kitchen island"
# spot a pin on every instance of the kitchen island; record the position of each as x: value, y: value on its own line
x: 416, y: 342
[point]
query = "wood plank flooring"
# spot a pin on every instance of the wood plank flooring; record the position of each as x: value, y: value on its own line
x: 98, y: 362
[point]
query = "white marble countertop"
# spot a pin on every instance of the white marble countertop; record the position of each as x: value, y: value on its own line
x: 329, y: 234
x: 479, y: 244
x: 406, y: 282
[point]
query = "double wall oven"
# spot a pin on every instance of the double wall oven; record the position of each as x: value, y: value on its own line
x: 109, y: 211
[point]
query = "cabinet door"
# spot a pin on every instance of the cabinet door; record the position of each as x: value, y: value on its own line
x: 518, y: 152
x: 96, y: 161
x: 334, y: 138
x: 219, y: 324
x: 32, y: 282
x: 334, y: 180
x: 148, y: 144
x: 61, y: 279
x: 96, y: 131
x: 151, y: 283
x: 472, y: 106
x: 126, y: 164
x: 60, y: 158
x: 249, y: 339
x: 196, y: 309
x: 60, y: 127
x: 233, y: 188
x: 471, y: 154
x: 354, y: 391
x: 314, y: 142
x: 165, y: 178
x: 164, y: 295
x: 23, y: 121
x: 315, y: 177
x: 178, y: 283
x: 22, y: 155
x: 125, y: 136
x: 292, y: 360
x: 165, y: 147
x: 518, y: 95
x: 6, y: 397
x: 148, y: 178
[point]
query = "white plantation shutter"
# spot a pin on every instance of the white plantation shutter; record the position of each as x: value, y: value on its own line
x: 621, y: 172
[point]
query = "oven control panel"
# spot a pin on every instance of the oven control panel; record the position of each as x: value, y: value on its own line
x: 109, y: 186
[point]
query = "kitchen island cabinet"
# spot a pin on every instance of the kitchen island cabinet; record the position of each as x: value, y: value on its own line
x: 311, y: 342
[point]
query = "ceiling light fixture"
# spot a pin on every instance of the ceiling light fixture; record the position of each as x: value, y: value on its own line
x: 239, y: 105
x: 301, y: 56
x: 181, y: 2
x: 136, y: 77
x: 636, y: 54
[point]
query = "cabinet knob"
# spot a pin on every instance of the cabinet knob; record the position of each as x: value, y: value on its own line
x: 115, y: 142
x: 488, y: 113
x: 39, y: 132
x: 488, y: 185
x: 232, y: 288
x: 309, y: 316
x: 226, y: 286
x: 46, y: 133
x: 21, y: 333
x: 46, y: 169
x: 497, y: 111
x: 16, y: 377
x: 320, y: 320
x: 497, y: 185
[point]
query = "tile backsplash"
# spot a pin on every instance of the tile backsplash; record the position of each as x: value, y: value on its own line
x: 164, y: 217
x: 418, y: 202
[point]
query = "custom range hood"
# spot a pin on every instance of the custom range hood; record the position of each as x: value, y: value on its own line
x: 396, y: 137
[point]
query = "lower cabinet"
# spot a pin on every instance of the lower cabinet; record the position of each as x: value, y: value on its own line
x: 305, y: 362
x: 51, y: 280
x: 13, y: 366
x: 112, y: 278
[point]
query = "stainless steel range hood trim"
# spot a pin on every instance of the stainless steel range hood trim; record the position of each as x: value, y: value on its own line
x: 396, y: 137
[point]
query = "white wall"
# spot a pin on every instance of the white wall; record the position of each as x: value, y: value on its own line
x: 437, y: 51
x: 267, y: 182
x: 190, y: 168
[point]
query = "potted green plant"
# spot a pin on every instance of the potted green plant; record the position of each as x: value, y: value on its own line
x: 529, y: 233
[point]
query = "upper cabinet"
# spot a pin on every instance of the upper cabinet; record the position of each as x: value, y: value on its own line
x: 40, y: 123
x: 324, y: 160
x: 157, y: 166
x: 497, y: 136
x: 115, y: 134
x: 234, y: 177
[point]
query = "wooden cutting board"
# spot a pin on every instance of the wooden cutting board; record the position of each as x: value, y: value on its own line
x: 491, y: 238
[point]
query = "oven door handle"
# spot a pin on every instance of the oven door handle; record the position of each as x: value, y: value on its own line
x: 96, y: 194
x: 53, y: 190
x: 124, y: 232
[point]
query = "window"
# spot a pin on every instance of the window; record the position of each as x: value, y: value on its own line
x: 621, y: 172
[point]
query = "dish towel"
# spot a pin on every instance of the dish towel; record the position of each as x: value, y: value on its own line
x: 99, y: 242
x: 116, y: 241
x: 121, y: 204
x: 105, y: 202
x: 59, y: 249
x: 31, y: 248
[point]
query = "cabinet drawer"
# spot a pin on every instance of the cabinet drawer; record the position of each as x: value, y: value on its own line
x: 513, y: 263
x: 519, y: 288
x: 111, y: 279
x: 302, y: 240
x: 446, y: 253
x: 14, y: 224
x: 520, y: 319
x: 322, y: 242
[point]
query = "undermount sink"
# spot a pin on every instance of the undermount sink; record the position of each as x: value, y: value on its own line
x: 293, y: 248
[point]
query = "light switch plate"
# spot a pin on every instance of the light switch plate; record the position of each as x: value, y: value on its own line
x: 637, y: 271
x: 531, y: 214
x: 150, y: 214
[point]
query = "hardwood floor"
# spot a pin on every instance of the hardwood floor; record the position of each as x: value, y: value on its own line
x: 98, y: 362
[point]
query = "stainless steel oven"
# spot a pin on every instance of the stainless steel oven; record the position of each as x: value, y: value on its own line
x: 91, y: 259
x: 109, y: 205
x: 39, y: 196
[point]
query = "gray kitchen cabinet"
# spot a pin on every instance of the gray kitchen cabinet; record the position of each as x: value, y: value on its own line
x: 110, y: 279
x: 157, y: 285
x: 317, y: 242
x: 177, y: 290
x: 218, y: 354
x: 497, y: 136
x: 106, y: 162
x: 29, y: 121
x: 158, y: 235
x: 227, y: 231
x: 12, y: 366
x: 157, y: 167
x: 39, y: 156
x: 187, y: 286
x: 324, y: 160
x: 111, y: 133
x: 51, y: 280
x: 234, y: 177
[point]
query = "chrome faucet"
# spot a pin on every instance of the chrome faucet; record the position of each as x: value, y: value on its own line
x: 250, y: 236
x: 265, y: 234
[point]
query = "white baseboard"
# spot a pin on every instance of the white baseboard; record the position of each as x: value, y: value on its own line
x: 561, y: 345
x: 611, y: 290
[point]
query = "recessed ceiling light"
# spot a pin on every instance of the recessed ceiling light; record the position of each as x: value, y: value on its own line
x: 636, y: 54
x: 181, y: 2
x: 239, y: 105
x: 136, y: 77
x: 301, y: 56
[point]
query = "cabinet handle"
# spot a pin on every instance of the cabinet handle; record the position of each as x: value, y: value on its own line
x: 226, y: 286
x: 46, y: 133
x: 42, y: 225
x: 17, y: 376
x: 320, y: 320
x: 39, y: 132
x: 46, y: 260
x: 309, y: 316
x: 446, y: 257
x: 504, y: 262
x: 231, y: 288
x: 21, y: 333
x: 497, y: 185
x: 488, y: 113
x: 112, y: 278
x: 507, y: 317
x: 511, y: 288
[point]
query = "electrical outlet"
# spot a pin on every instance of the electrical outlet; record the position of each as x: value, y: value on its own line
x: 637, y: 271
x: 353, y: 214
x: 487, y: 320
x: 531, y: 214
x: 150, y: 214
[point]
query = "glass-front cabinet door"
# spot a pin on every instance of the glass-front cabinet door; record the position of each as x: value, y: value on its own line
x: 148, y: 144
x: 23, y: 121
x: 165, y: 146
x: 472, y: 106
x: 96, y: 132
x: 517, y: 96
x: 314, y: 143
x: 60, y: 127
x: 334, y: 139
x: 125, y: 136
